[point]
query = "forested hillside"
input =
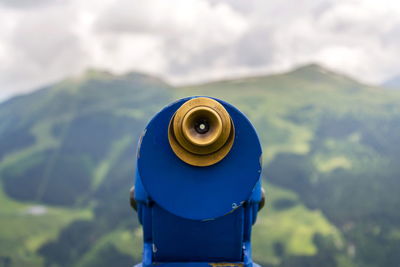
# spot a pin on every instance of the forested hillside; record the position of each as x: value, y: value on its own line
x: 331, y: 172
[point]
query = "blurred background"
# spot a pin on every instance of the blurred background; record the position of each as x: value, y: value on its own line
x: 80, y: 79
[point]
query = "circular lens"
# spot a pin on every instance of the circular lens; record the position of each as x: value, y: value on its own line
x: 202, y: 126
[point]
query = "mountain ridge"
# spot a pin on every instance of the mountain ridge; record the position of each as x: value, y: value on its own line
x: 312, y: 69
x: 392, y: 83
x: 329, y: 162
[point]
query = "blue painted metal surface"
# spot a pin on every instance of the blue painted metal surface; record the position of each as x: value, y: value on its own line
x: 193, y: 264
x: 197, y: 216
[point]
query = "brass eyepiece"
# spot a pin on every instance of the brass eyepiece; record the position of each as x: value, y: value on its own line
x: 201, y: 132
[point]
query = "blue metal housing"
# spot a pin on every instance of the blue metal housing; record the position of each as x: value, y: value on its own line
x: 197, y: 216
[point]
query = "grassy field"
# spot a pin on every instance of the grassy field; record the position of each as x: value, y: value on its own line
x: 294, y: 226
x: 25, y: 227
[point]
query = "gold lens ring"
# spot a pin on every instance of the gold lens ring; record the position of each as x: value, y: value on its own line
x: 201, y: 132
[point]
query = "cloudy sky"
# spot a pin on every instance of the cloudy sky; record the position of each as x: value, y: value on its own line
x: 185, y: 41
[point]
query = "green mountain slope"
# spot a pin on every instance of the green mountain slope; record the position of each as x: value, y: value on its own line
x: 71, y: 146
x: 67, y: 155
x: 331, y: 141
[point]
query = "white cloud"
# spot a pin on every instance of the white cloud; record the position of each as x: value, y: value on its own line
x: 194, y: 40
x: 180, y: 35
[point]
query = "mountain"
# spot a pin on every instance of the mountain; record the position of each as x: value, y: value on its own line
x: 69, y: 150
x: 67, y: 159
x: 393, y: 83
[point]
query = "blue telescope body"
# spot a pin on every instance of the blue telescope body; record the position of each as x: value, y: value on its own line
x: 198, y: 187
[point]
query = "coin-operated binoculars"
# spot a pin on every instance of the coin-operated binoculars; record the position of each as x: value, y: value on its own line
x: 198, y: 186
